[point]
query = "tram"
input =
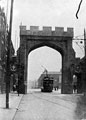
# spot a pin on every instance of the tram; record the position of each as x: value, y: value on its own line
x: 47, y: 84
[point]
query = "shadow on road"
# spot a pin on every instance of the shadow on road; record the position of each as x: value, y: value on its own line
x: 81, y: 108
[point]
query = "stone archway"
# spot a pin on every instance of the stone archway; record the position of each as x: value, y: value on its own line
x: 58, y: 40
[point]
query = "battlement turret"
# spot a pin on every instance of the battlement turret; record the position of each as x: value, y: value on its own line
x: 46, y: 31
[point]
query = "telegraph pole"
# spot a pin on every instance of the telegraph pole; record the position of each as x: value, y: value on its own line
x: 8, y: 57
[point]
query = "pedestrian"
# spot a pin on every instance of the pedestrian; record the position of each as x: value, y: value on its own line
x: 75, y: 88
x: 57, y: 87
x: 17, y: 86
x: 14, y: 88
x: 74, y: 83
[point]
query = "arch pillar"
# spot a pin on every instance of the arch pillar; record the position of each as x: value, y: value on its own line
x: 25, y: 70
x: 22, y: 69
x: 67, y: 77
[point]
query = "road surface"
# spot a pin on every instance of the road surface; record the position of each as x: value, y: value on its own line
x: 48, y: 106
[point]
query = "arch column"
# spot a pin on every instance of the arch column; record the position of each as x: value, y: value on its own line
x: 25, y: 70
x: 66, y: 77
x: 22, y: 70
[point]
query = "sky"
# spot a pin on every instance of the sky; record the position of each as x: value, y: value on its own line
x: 55, y: 13
x: 41, y: 59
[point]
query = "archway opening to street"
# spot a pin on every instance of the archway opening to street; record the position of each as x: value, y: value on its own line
x: 42, y: 59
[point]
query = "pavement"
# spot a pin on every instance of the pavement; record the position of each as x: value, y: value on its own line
x: 14, y: 101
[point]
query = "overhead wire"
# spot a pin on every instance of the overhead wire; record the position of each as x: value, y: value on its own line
x: 78, y: 9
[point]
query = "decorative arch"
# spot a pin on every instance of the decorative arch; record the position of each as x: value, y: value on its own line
x: 59, y: 40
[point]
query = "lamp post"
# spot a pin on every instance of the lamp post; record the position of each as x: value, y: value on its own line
x: 8, y: 57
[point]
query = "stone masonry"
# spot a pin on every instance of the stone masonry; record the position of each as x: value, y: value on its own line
x: 57, y: 39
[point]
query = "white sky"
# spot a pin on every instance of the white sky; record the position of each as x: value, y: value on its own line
x: 42, y: 58
x: 59, y: 13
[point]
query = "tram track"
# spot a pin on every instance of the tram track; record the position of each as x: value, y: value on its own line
x: 53, y: 102
x: 59, y: 97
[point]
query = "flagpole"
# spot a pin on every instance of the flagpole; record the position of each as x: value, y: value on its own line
x: 8, y: 57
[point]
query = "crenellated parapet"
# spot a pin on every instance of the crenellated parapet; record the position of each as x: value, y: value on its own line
x: 46, y: 31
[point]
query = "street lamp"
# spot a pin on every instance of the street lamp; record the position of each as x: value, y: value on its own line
x: 8, y: 56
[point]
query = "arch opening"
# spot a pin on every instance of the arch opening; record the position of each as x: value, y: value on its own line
x: 42, y: 58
